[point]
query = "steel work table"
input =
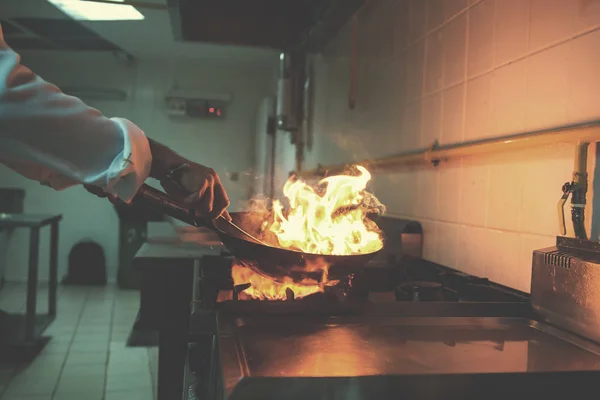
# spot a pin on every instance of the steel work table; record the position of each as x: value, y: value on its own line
x: 26, y: 330
x: 168, y: 267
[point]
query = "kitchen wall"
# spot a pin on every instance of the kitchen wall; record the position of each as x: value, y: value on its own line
x: 456, y: 71
x: 226, y: 145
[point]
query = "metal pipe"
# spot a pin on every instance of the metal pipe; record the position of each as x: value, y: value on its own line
x: 579, y: 190
x: 588, y: 132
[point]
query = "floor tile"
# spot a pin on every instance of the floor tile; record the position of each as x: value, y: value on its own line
x: 83, y: 370
x: 44, y: 364
x: 55, y: 348
x: 138, y: 379
x: 84, y: 329
x: 84, y: 386
x: 89, y: 346
x: 39, y: 386
x: 77, y: 396
x: 87, y: 358
x: 145, y: 394
x: 91, y: 338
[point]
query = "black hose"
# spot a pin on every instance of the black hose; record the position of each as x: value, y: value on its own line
x: 578, y: 213
x: 578, y: 217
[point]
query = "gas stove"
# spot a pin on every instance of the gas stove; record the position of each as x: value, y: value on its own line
x: 402, y: 317
x: 408, y: 279
x: 399, y: 327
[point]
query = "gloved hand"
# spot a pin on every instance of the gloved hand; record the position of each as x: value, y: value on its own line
x: 199, y: 187
x: 195, y: 185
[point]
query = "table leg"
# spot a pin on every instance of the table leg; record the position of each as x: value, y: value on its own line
x: 174, y: 332
x: 172, y: 350
x: 53, y: 278
x: 32, y: 277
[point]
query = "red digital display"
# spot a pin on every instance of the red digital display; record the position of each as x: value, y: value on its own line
x: 203, y: 108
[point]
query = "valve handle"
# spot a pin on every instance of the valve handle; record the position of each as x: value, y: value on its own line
x: 567, y: 189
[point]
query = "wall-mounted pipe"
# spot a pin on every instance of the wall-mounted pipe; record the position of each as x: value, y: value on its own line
x: 589, y: 132
x: 579, y: 190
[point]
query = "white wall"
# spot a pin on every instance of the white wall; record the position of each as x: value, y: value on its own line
x: 263, y: 145
x: 459, y: 70
x: 226, y: 145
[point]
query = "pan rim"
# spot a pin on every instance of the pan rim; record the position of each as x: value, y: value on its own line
x: 300, y: 253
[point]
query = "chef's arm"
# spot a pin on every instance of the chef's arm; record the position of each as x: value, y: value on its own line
x: 59, y: 141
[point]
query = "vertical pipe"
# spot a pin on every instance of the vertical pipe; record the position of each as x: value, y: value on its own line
x: 580, y: 186
x: 580, y: 164
x: 273, y: 158
x: 284, y: 93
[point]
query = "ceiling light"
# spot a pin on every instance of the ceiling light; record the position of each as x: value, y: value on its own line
x: 91, y: 11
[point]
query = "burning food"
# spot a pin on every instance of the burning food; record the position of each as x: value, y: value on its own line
x: 327, y: 219
x: 332, y: 222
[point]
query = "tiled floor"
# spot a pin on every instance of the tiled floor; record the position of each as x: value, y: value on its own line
x: 86, y: 358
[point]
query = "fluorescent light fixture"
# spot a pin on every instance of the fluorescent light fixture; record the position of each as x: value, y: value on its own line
x: 91, y: 11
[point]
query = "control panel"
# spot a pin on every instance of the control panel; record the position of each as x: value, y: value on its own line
x: 196, y: 108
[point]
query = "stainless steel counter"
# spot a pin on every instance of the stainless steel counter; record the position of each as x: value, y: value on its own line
x: 361, y: 356
x: 345, y: 347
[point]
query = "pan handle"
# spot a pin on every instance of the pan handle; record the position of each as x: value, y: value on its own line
x: 147, y: 196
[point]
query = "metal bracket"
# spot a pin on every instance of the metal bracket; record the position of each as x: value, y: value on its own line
x: 434, y: 146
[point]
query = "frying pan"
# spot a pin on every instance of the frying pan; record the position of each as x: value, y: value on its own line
x: 277, y: 263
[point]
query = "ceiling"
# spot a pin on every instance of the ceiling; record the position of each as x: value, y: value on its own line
x: 285, y: 25
x: 151, y: 38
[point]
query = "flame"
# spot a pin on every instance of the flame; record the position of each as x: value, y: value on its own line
x: 328, y: 219
x: 332, y: 223
x: 263, y: 288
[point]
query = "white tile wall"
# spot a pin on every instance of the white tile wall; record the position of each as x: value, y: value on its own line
x: 582, y: 81
x: 481, y: 37
x: 509, y: 99
x: 467, y: 70
x: 454, y: 37
x: 511, y: 30
x: 453, y: 7
x: 431, y: 119
x: 551, y: 22
x: 546, y: 87
x: 478, y: 112
x: 434, y: 62
x: 453, y: 115
x: 587, y: 14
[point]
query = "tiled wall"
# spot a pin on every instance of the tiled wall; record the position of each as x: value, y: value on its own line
x: 461, y: 70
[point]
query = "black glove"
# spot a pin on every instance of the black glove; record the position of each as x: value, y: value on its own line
x: 195, y: 185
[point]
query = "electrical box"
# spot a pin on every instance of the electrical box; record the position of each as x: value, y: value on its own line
x: 204, y: 109
x: 195, y: 104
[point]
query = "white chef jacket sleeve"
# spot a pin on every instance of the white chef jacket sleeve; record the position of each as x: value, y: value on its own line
x: 57, y: 140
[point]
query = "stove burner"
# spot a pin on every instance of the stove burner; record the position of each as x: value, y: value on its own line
x: 420, y: 291
x: 408, y: 281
